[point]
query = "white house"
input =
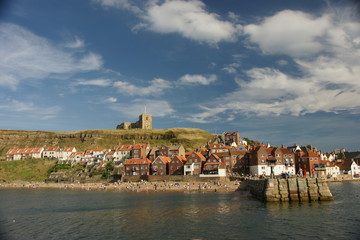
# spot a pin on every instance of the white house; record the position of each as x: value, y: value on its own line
x: 122, y: 152
x: 52, y: 152
x: 332, y: 169
x: 65, y: 153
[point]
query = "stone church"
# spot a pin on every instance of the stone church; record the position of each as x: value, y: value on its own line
x: 144, y: 122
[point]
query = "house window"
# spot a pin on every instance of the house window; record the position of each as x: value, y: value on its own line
x: 262, y: 155
x: 262, y: 161
x: 263, y: 168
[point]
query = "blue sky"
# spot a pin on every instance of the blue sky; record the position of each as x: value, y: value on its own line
x: 282, y: 72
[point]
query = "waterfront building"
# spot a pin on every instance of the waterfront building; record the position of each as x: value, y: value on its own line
x: 160, y: 165
x: 194, y: 164
x: 176, y: 165
x: 137, y: 167
x: 214, y: 166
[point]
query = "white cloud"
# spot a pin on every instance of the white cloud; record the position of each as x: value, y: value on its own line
x: 232, y: 68
x: 157, y: 108
x: 196, y: 79
x: 75, y: 43
x: 100, y: 82
x: 189, y: 19
x: 29, y: 109
x: 290, y: 32
x: 121, y: 4
x: 156, y: 87
x: 110, y: 100
x: 326, y: 56
x: 282, y: 62
x: 209, y: 114
x: 28, y: 56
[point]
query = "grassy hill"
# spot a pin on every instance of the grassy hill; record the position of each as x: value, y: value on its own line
x: 26, y: 170
x: 191, y: 138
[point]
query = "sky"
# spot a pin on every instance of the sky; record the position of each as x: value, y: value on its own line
x: 279, y: 72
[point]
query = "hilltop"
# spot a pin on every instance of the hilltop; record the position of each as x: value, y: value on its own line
x: 190, y: 138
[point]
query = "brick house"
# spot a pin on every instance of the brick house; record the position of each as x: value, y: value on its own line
x: 310, y: 162
x: 225, y: 157
x: 140, y: 150
x: 239, y: 161
x: 176, y: 165
x: 194, y: 164
x: 289, y: 160
x: 137, y: 166
x: 214, y: 166
x: 160, y: 165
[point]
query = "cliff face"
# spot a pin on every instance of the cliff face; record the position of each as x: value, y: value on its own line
x: 82, y: 140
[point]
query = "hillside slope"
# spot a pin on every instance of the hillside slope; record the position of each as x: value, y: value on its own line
x: 191, y: 138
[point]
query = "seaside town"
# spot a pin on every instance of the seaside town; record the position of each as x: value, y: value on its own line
x: 226, y: 155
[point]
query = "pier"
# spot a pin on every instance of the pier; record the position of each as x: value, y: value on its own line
x: 290, y: 190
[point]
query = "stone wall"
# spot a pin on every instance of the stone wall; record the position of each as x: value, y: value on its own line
x: 293, y: 189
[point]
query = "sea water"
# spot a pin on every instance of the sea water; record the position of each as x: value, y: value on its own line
x: 75, y: 214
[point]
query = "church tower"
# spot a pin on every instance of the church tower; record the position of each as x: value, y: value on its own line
x: 145, y: 121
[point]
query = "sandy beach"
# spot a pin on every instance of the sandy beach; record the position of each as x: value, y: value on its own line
x: 131, y: 186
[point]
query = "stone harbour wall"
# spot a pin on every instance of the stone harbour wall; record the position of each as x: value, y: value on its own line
x: 290, y: 190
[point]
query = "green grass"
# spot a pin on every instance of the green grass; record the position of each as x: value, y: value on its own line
x: 26, y: 170
x: 191, y: 138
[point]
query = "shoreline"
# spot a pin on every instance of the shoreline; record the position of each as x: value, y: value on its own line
x: 181, y: 187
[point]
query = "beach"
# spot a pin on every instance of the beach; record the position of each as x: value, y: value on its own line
x: 142, y: 186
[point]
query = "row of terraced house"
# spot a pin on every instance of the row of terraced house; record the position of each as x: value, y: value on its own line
x: 225, y: 158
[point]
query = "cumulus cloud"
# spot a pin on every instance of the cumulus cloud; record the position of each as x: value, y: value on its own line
x: 197, y: 79
x: 290, y: 32
x: 325, y: 51
x: 189, y: 19
x: 28, y: 56
x: 156, y: 87
x: 158, y: 108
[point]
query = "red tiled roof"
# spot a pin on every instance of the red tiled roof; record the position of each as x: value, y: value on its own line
x: 180, y: 158
x: 202, y: 158
x: 52, y: 148
x: 312, y: 154
x: 68, y: 149
x: 134, y: 161
x: 164, y: 159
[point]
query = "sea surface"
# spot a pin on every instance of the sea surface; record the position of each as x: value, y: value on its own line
x: 74, y: 214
